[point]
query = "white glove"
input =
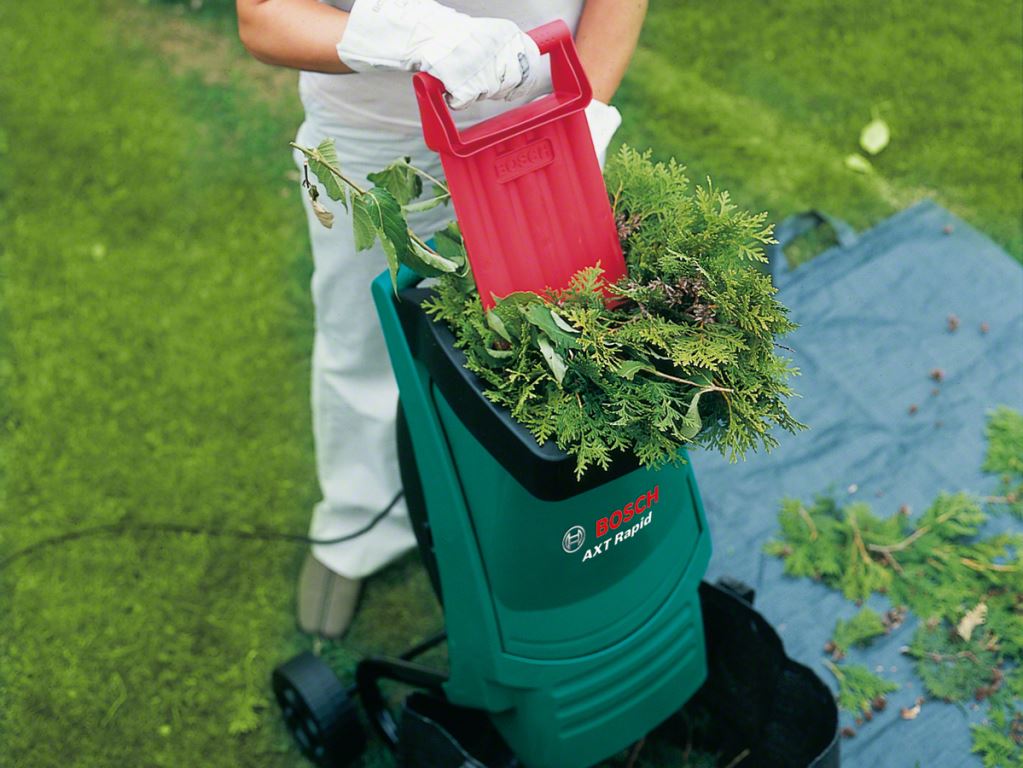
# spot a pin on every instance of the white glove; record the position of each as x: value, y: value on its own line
x: 475, y: 58
x: 604, y: 121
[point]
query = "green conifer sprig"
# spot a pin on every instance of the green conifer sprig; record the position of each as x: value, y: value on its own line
x: 859, y: 689
x: 935, y: 565
x: 1005, y: 459
x: 966, y: 589
x: 999, y: 740
x: 954, y: 669
x: 686, y: 355
x: 860, y: 630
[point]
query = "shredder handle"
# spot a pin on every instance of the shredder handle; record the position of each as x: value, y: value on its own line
x: 572, y: 93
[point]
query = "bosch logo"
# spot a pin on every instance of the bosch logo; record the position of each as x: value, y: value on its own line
x: 523, y: 160
x: 639, y: 512
x: 573, y: 539
x: 624, y: 515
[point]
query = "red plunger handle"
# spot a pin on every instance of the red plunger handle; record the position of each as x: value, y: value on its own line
x: 572, y: 92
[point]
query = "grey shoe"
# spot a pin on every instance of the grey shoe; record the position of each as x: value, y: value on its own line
x: 326, y: 600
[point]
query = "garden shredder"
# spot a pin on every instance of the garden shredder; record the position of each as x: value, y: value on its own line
x: 571, y: 606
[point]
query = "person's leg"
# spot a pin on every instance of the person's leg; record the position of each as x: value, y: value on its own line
x: 354, y: 399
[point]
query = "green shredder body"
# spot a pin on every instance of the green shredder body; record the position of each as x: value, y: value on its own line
x: 571, y: 607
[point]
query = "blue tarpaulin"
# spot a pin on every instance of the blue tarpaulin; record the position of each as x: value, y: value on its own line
x: 873, y: 315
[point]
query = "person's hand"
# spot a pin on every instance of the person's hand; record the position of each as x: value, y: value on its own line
x: 604, y: 121
x: 475, y: 58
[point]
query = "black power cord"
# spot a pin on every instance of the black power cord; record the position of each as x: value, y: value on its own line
x: 196, y: 530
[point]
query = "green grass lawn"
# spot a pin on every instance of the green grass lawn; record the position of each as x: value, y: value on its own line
x: 155, y: 324
x: 769, y: 99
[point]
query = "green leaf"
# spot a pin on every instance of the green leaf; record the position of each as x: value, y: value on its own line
x: 497, y: 326
x: 628, y: 369
x: 692, y: 423
x: 448, y: 243
x: 387, y: 219
x: 421, y: 205
x: 428, y: 263
x: 540, y: 315
x: 439, y: 196
x: 379, y: 212
x: 323, y: 162
x: 437, y: 192
x: 875, y: 136
x: 858, y: 163
x: 562, y: 323
x: 499, y: 354
x: 362, y: 223
x: 520, y: 299
x: 400, y: 180
x: 554, y: 360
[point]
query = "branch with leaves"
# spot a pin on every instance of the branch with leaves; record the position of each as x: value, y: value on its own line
x: 685, y: 354
x: 379, y: 213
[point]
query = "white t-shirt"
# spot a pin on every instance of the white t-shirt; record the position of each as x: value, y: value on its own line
x: 384, y: 100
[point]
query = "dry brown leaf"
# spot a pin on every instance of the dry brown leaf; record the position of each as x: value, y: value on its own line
x: 973, y: 619
x: 910, y: 713
x: 325, y: 216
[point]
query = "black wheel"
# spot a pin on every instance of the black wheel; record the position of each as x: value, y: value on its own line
x: 318, y: 711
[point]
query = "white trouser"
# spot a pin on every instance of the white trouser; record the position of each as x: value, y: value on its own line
x: 354, y: 394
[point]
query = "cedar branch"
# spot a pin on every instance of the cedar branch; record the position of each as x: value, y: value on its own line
x: 809, y: 522
x: 858, y: 538
x: 678, y: 380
